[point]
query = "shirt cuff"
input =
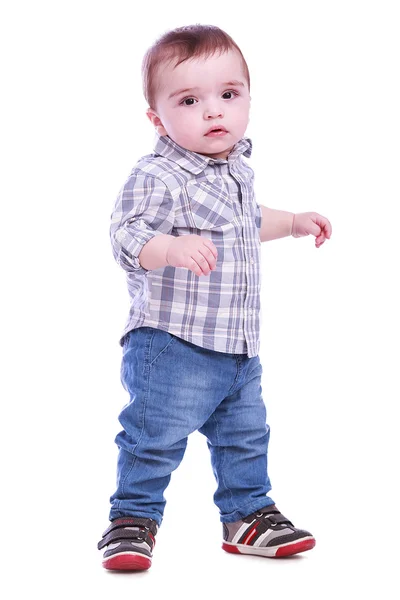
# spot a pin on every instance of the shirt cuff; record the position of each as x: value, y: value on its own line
x: 132, y: 241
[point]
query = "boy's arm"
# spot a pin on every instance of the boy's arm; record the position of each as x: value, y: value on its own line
x: 279, y: 223
x: 154, y: 252
x: 275, y: 224
x: 144, y: 210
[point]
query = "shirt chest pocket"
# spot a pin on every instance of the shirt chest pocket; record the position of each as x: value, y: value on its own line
x: 208, y: 203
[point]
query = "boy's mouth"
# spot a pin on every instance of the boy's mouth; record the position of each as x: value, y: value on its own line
x: 216, y: 131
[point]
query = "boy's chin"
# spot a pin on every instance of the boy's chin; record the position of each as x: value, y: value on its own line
x: 222, y: 152
x: 212, y: 148
x: 217, y: 147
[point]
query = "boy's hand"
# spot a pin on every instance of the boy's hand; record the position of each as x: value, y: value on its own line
x: 194, y: 252
x: 311, y: 222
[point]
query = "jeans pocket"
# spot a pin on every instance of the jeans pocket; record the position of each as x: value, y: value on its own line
x: 161, y: 343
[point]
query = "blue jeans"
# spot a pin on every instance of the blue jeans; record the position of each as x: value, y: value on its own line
x: 175, y: 388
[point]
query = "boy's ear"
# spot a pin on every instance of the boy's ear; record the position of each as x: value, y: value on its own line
x: 156, y: 121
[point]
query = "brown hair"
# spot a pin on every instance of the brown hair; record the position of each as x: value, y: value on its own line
x: 181, y: 44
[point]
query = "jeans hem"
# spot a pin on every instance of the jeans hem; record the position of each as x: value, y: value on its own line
x: 246, y: 510
x: 117, y: 514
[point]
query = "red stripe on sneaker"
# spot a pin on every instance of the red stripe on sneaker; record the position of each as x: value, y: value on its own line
x: 251, y: 535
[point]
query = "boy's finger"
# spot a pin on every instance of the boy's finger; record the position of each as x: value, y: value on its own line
x: 209, y: 261
x: 328, y: 229
x: 211, y: 247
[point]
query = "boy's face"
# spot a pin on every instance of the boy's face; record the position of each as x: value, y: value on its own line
x: 200, y: 95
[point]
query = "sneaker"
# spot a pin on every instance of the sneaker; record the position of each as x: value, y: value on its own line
x: 128, y: 543
x: 266, y: 533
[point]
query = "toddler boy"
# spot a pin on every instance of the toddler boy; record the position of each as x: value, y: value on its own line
x: 187, y: 230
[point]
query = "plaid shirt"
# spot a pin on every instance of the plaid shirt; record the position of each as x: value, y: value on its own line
x: 178, y: 192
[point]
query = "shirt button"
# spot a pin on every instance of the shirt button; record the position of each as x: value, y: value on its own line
x: 252, y: 260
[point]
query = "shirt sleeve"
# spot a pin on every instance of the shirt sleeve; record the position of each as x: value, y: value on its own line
x: 144, y: 208
x: 258, y: 216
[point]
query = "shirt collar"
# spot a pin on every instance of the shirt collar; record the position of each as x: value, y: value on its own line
x: 192, y: 161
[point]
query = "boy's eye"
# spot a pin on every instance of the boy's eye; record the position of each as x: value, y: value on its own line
x: 188, y: 101
x: 229, y: 94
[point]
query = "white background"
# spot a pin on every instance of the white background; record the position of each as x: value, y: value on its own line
x: 325, y: 128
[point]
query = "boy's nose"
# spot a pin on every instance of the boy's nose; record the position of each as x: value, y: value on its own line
x: 213, y: 113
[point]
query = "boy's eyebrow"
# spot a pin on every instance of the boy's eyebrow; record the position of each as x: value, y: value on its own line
x: 182, y: 92
x: 232, y: 83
